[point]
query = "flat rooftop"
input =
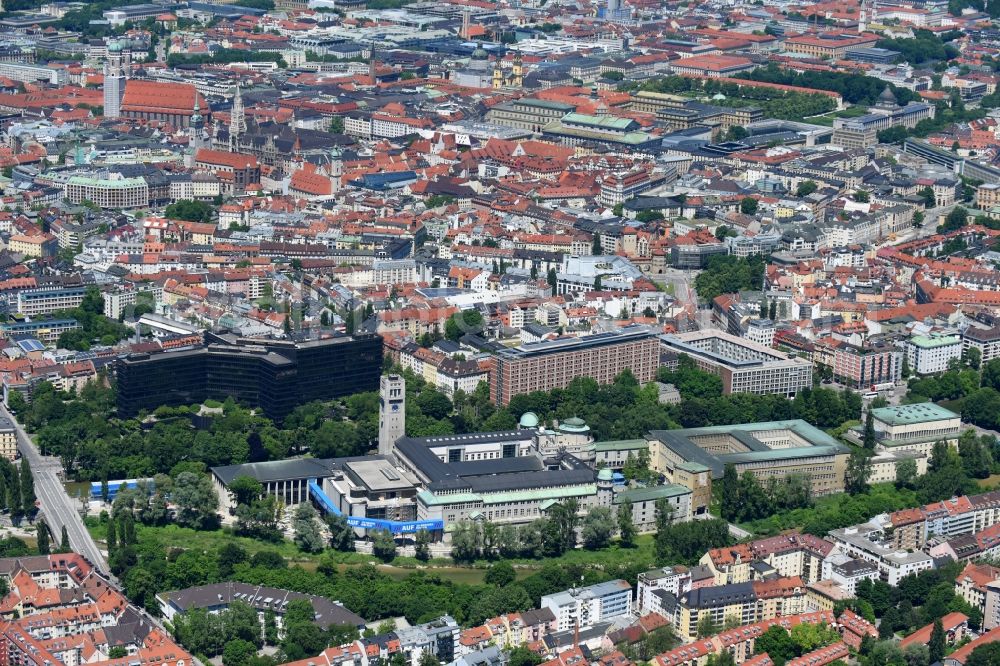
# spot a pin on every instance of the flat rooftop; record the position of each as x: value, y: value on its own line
x: 921, y: 412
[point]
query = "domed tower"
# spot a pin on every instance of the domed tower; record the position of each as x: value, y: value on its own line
x: 336, y: 169
x: 605, y: 487
x: 114, y: 80
x: 529, y: 421
x: 197, y: 128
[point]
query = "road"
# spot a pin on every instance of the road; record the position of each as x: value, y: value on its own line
x: 56, y: 506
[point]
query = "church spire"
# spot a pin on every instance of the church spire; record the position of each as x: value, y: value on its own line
x: 237, y: 120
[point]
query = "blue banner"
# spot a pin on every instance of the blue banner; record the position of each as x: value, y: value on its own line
x: 394, y: 526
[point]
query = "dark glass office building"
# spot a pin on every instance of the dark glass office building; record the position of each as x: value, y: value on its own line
x: 275, y: 375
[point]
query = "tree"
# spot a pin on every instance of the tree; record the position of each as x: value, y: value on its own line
x: 341, y: 534
x: 428, y: 659
x: 230, y: 554
x: 706, y: 627
x: 984, y: 655
x: 906, y: 473
x: 778, y: 644
x: 500, y: 574
x: 626, y: 526
x: 191, y: 211
x: 927, y: 194
x: 422, y: 545
x: 595, y: 247
x: 552, y: 279
x: 805, y: 188
x: 245, y: 489
x: 384, y: 546
x: 467, y: 321
x: 64, y: 546
x: 936, y: 645
x: 972, y: 357
x: 27, y: 489
x: 196, y: 500
x: 730, y: 507
x: 43, y: 538
x: 862, y: 196
x: 306, y: 526
x: 904, y: 370
x: 238, y: 652
x: 522, y: 656
x: 859, y: 467
x: 598, y: 526
x: 772, y: 310
x: 112, y: 538
x: 748, y: 206
x: 956, y: 219
x: 868, y: 437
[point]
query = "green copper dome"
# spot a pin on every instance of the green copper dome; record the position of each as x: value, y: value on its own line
x: 529, y: 420
x: 574, y: 424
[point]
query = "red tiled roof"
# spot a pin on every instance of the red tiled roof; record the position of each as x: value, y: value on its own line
x: 153, y: 96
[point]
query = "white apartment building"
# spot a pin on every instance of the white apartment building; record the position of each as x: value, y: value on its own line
x: 863, y: 542
x: 676, y: 580
x: 928, y: 354
x: 33, y: 302
x: 118, y: 301
x: 847, y: 571
x: 586, y: 606
x: 986, y: 340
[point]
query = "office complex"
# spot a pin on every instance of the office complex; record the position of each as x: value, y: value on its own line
x: 769, y: 449
x: 542, y: 366
x: 275, y: 375
x: 744, y: 366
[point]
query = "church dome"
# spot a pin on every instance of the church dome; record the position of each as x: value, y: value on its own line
x: 528, y: 420
x: 480, y: 54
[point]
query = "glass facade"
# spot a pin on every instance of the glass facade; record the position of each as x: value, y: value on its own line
x: 273, y: 376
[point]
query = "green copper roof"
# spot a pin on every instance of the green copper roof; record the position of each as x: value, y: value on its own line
x: 651, y: 494
x: 621, y: 445
x: 932, y: 341
x: 921, y: 412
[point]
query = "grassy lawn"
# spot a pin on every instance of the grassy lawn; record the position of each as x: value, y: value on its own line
x: 990, y: 482
x: 174, y: 536
x: 825, y: 121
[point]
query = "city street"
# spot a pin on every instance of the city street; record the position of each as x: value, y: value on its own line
x: 56, y: 507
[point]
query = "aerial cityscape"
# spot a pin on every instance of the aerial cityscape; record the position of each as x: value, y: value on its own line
x: 500, y: 333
